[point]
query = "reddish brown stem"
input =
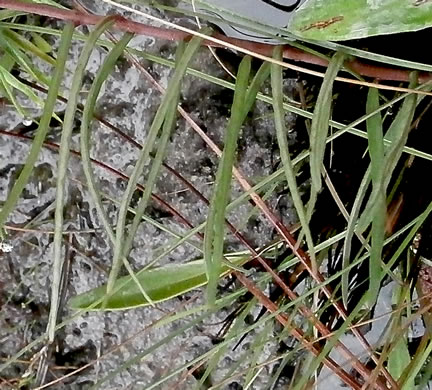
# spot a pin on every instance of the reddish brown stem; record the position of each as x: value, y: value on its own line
x: 113, y: 170
x: 290, y: 53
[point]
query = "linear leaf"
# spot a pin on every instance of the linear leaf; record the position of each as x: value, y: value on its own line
x: 215, y: 227
x: 64, y: 154
x: 43, y: 127
x: 397, y: 134
x: 121, y: 248
x: 320, y: 120
x: 281, y: 133
x: 376, y: 153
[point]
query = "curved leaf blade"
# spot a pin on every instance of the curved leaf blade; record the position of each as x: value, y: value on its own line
x: 160, y: 284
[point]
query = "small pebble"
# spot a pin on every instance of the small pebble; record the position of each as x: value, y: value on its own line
x: 27, y: 122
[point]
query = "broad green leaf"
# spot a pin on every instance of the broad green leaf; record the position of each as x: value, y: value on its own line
x: 160, y: 283
x: 335, y: 20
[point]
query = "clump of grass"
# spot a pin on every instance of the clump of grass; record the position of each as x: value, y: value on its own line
x: 370, y: 234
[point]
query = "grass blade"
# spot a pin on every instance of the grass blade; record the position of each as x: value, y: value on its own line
x: 43, y: 127
x: 320, y: 120
x: 87, y: 117
x: 182, y: 60
x: 10, y: 46
x: 398, y: 136
x: 281, y: 133
x: 214, y: 232
x: 376, y: 152
x: 30, y: 47
x: 120, y: 249
x: 88, y: 112
x: 64, y: 153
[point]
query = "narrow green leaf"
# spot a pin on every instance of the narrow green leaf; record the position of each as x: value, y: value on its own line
x: 261, y: 75
x: 397, y: 134
x: 8, y: 91
x: 162, y: 146
x: 257, y: 351
x: 9, y: 14
x: 9, y: 83
x: 64, y: 153
x: 20, y: 86
x: 182, y: 59
x: 29, y: 47
x: 53, y: 3
x: 7, y: 62
x: 255, y: 86
x: 41, y: 43
x: 320, y: 120
x: 43, y: 127
x: 352, y: 221
x: 139, y: 357
x: 281, y: 133
x: 102, y: 74
x: 398, y: 128
x: 87, y: 117
x: 237, y: 326
x: 122, y: 248
x: 376, y: 152
x: 417, y: 222
x: 331, y: 342
x: 375, y: 136
x: 215, y: 227
x: 426, y: 370
x: 13, y: 49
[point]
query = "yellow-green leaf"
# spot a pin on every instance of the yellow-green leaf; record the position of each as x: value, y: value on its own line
x: 160, y: 284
